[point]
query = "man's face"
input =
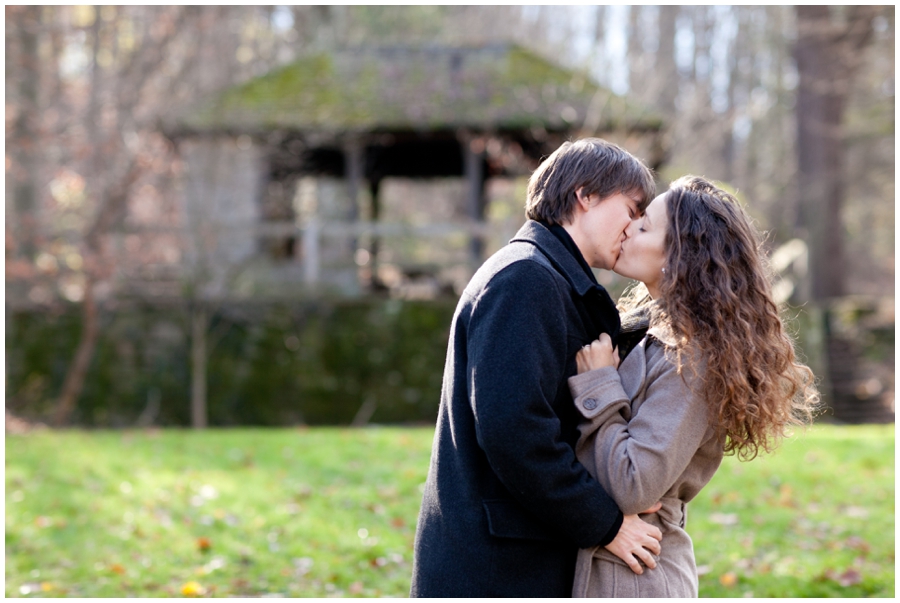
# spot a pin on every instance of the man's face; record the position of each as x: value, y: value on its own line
x: 603, y: 228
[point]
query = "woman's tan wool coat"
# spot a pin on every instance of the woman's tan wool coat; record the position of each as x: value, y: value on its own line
x: 646, y: 438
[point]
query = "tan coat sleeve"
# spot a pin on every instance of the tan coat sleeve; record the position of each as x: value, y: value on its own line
x: 638, y: 458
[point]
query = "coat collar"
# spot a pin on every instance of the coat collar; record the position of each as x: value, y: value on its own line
x: 633, y: 369
x: 538, y: 235
x: 664, y: 336
x: 638, y: 321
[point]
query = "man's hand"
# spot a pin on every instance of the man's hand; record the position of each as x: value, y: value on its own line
x: 636, y: 540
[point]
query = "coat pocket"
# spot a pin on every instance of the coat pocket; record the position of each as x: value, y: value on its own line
x: 507, y: 519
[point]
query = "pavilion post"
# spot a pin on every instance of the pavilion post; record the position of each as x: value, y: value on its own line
x: 473, y: 172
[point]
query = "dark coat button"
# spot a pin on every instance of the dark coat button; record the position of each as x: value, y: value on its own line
x: 590, y: 404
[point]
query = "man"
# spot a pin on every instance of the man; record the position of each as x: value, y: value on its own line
x: 506, y: 504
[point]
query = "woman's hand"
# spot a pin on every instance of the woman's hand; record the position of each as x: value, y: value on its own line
x: 598, y: 354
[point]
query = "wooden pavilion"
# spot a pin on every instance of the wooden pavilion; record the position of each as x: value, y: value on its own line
x: 352, y: 118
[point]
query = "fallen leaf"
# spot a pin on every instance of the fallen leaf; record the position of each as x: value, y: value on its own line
x: 728, y: 579
x: 398, y: 522
x: 204, y: 544
x: 192, y: 589
x: 849, y: 577
x: 117, y: 568
x: 302, y: 565
x: 785, y: 498
x: 724, y: 519
x: 857, y: 543
x: 215, y: 564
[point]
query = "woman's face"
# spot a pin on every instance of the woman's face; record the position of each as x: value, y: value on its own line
x: 643, y: 254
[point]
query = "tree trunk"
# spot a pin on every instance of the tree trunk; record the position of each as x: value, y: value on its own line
x: 666, y: 69
x: 827, y: 54
x: 637, y: 76
x: 199, y: 330
x: 74, y: 382
x: 25, y: 21
x: 729, y: 146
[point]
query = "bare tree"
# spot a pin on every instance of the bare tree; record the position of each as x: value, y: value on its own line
x: 117, y: 154
x: 87, y: 86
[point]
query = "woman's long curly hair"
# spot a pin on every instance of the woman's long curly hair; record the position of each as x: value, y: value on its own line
x: 716, y: 300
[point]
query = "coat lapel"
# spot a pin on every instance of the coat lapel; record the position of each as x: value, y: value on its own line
x: 595, y: 306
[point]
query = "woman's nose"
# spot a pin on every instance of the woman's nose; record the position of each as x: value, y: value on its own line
x: 629, y: 230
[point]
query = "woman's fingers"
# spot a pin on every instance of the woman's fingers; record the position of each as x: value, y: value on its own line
x: 604, y: 340
x: 598, y: 353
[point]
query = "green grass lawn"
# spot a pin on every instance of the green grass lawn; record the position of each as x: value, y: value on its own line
x: 332, y: 512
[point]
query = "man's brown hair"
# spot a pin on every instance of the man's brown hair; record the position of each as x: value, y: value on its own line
x: 597, y: 166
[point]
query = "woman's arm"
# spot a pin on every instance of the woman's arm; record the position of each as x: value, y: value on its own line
x: 639, y: 457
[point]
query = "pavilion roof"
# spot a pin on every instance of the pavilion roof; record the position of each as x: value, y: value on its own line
x: 491, y: 87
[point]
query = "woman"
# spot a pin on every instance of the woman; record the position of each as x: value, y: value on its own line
x: 716, y: 374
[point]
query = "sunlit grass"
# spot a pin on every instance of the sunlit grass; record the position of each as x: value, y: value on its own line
x: 815, y: 519
x: 331, y: 512
x: 298, y: 512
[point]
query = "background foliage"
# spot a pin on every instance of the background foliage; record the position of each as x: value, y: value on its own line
x: 274, y: 364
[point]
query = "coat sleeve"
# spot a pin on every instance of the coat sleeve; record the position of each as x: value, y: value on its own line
x: 517, y: 358
x: 639, y: 458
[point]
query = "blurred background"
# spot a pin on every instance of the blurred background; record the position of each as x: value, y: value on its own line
x: 264, y: 215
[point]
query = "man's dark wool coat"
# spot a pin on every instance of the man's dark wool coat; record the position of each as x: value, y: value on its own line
x: 506, y: 503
